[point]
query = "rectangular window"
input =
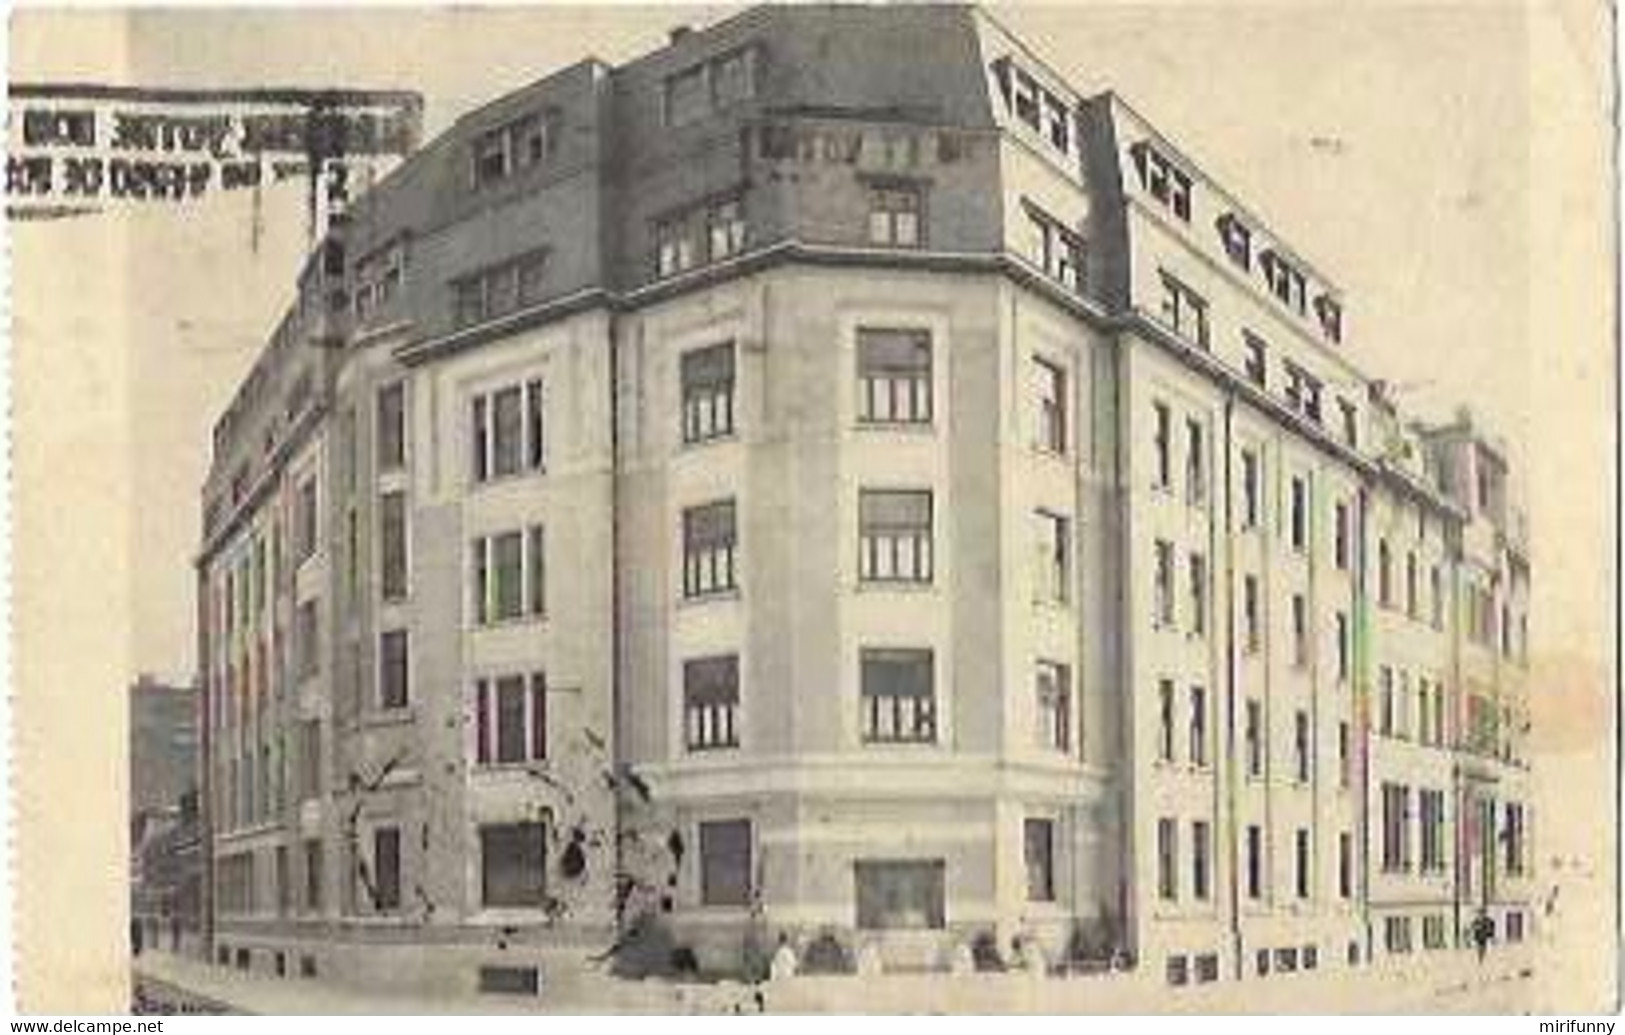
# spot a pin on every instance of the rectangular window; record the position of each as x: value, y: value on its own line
x: 1345, y: 760
x: 392, y: 426
x: 1301, y: 745
x: 1184, y: 311
x: 725, y: 229
x: 900, y: 894
x: 1200, y: 861
x: 894, y: 376
x: 393, y: 669
x: 1430, y: 814
x: 1055, y: 249
x: 1385, y: 575
x: 507, y: 432
x: 1163, y: 180
x: 1053, y: 686
x: 1340, y: 537
x: 1303, y: 874
x: 1164, y: 586
x: 1351, y: 424
x: 1049, y: 393
x: 1198, y: 586
x: 1167, y: 860
x: 306, y: 641
x: 1300, y: 631
x: 392, y: 536
x: 1302, y: 392
x: 1412, y: 597
x: 1195, y: 463
x: 1165, y: 720
x: 1255, y: 362
x: 1255, y: 862
x: 305, y: 522
x: 899, y: 696
x: 1254, y: 737
x: 676, y: 247
x: 1249, y: 489
x: 710, y: 549
x: 386, y: 869
x: 1250, y: 618
x: 708, y: 393
x: 894, y: 216
x: 513, y: 868
x: 310, y: 759
x: 1198, y: 728
x: 1300, y: 514
x: 1345, y: 865
x: 510, y: 719
x: 1343, y: 647
x: 509, y: 576
x: 725, y: 863
x: 711, y: 702
x: 894, y: 535
x: 1161, y: 441
x: 1039, y: 845
x: 1053, y: 561
x: 313, y: 874
x: 1437, y: 587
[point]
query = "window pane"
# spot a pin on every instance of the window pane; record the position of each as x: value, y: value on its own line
x: 393, y: 668
x: 508, y: 562
x: 725, y: 863
x: 507, y: 432
x: 391, y: 427
x: 900, y: 895
x: 511, y: 731
x: 513, y: 868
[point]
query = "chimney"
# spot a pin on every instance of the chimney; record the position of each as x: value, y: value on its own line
x: 678, y: 33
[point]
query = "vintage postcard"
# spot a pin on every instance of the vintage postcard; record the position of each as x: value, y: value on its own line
x: 896, y: 508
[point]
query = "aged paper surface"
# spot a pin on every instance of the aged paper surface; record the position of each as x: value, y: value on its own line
x: 1448, y: 166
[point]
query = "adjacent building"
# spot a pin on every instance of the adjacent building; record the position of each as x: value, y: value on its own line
x: 166, y: 865
x: 772, y: 492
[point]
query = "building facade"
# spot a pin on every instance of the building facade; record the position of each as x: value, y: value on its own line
x: 769, y: 493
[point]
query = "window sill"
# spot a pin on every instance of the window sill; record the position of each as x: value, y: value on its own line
x: 714, y: 597
x: 498, y: 624
x: 383, y: 718
x: 922, y: 428
x: 916, y: 586
x: 522, y: 767
x: 497, y: 481
x: 694, y: 445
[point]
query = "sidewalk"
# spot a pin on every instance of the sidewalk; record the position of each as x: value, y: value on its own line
x: 1445, y: 983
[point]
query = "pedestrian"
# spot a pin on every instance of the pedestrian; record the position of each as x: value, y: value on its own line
x: 1483, y: 930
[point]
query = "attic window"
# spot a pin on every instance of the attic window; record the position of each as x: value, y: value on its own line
x: 1330, y: 314
x: 710, y: 86
x: 1286, y: 282
x: 1163, y: 180
x: 501, y: 152
x: 1042, y: 111
x: 1237, y: 240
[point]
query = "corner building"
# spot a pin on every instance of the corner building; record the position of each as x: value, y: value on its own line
x: 773, y: 490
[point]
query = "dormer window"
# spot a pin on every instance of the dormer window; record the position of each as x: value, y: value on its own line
x: 1303, y: 392
x: 1237, y: 240
x: 1058, y: 124
x: 1330, y: 314
x: 501, y: 152
x: 1163, y: 180
x: 1286, y: 281
x: 697, y: 234
x: 1044, y: 112
x: 708, y: 87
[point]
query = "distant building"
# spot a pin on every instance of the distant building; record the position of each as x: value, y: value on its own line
x: 163, y: 744
x: 166, y: 861
x: 774, y: 488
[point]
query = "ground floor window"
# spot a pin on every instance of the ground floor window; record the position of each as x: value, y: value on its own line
x: 513, y: 864
x: 1040, y: 853
x: 725, y: 863
x: 900, y: 894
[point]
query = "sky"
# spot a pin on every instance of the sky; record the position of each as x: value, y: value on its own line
x: 1382, y: 142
